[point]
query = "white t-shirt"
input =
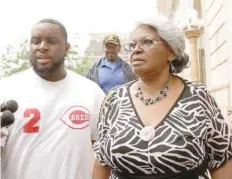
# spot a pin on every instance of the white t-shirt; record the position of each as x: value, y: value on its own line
x: 55, y: 122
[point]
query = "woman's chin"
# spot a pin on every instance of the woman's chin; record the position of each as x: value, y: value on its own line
x: 141, y: 69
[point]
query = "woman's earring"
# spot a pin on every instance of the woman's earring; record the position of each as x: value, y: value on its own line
x: 173, y: 68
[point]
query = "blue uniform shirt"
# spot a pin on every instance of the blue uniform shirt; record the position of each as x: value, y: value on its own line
x: 110, y: 75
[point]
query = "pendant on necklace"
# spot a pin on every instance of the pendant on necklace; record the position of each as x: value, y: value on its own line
x: 147, y: 133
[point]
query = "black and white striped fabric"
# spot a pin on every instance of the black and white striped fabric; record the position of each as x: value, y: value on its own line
x: 194, y: 131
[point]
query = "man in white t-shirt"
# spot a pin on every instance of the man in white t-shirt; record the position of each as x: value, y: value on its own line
x: 57, y: 115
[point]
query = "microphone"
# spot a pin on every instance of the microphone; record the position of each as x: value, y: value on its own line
x: 7, y: 118
x: 10, y: 105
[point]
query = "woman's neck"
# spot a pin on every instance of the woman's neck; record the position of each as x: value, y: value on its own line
x: 153, y: 85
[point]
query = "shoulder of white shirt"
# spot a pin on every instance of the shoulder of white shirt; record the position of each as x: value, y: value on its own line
x: 29, y: 74
x: 81, y: 80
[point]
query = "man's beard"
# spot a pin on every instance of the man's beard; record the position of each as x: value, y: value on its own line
x: 46, y: 72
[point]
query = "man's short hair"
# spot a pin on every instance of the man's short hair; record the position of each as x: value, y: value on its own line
x: 52, y: 21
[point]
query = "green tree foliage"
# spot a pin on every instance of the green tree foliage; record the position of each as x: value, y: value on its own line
x: 14, y: 59
x: 76, y: 63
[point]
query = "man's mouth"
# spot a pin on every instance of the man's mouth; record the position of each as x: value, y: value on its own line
x: 44, y: 60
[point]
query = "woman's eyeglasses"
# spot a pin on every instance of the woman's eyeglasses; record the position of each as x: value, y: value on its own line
x: 144, y: 44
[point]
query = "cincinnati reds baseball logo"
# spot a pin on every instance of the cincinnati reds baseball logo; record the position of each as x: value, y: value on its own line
x: 76, y: 117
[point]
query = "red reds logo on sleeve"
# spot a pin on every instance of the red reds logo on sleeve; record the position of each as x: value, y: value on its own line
x: 76, y: 117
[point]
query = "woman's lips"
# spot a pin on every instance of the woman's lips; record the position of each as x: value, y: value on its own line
x: 137, y: 62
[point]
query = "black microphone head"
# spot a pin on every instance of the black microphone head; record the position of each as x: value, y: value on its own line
x: 12, y: 105
x: 7, y: 118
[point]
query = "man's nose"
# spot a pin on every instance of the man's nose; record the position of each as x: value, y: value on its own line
x: 43, y: 46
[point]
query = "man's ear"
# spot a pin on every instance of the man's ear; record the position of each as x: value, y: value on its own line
x: 119, y: 48
x: 67, y: 47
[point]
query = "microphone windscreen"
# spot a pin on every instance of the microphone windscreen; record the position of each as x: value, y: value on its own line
x: 12, y: 105
x: 7, y: 118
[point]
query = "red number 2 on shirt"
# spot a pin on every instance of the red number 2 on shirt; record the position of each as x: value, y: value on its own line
x: 31, y: 126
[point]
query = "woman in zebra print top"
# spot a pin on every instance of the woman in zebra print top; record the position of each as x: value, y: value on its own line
x: 161, y: 126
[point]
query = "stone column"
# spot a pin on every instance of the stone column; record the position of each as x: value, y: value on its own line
x: 192, y: 33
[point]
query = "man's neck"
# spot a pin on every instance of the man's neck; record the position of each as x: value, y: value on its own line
x: 112, y: 60
x: 58, y: 75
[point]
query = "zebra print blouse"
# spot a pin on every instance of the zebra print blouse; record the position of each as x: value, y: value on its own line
x: 194, y: 131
